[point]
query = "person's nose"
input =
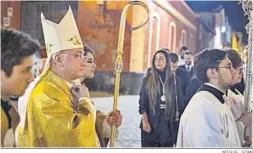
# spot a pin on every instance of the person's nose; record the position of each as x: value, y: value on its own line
x: 94, y: 65
x: 30, y: 78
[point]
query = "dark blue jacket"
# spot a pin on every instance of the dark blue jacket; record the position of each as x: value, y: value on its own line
x: 184, y: 76
x: 154, y: 119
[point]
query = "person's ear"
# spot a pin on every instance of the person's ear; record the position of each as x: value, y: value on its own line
x: 212, y: 73
x: 59, y: 59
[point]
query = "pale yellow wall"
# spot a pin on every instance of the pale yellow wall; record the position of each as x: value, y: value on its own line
x: 137, y: 40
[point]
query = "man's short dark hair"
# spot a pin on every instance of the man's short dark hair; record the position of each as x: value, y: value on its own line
x: 188, y: 53
x: 208, y: 58
x: 183, y: 48
x: 234, y: 57
x: 173, y: 57
x: 15, y: 46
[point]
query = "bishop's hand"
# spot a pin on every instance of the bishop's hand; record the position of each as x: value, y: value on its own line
x: 80, y: 91
x: 114, y: 118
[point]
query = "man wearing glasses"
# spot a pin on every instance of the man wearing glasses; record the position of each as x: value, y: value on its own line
x: 207, y: 121
x: 236, y: 100
x: 58, y: 111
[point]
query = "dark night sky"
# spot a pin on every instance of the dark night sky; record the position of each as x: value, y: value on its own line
x: 233, y: 11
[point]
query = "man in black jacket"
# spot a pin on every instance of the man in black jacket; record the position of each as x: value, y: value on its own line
x: 188, y: 68
x: 180, y: 73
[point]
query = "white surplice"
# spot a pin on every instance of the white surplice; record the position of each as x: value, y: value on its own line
x: 206, y: 122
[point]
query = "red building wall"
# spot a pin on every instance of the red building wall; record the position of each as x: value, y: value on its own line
x: 101, y: 32
x: 164, y: 19
x: 15, y: 19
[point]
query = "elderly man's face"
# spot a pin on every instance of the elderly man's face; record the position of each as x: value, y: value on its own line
x: 73, y: 63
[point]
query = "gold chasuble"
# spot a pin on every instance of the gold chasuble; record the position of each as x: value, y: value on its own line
x: 4, y: 126
x: 47, y: 116
x: 51, y: 120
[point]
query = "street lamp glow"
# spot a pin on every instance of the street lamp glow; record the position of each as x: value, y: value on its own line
x: 223, y: 29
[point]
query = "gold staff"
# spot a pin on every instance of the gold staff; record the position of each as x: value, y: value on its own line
x: 119, y: 62
x: 247, y: 7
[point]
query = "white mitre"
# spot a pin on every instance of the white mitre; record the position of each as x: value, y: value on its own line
x: 58, y: 37
x: 62, y: 36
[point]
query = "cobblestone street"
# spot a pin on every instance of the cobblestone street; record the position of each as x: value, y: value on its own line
x: 129, y: 132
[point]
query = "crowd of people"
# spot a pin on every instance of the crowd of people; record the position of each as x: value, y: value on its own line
x: 203, y: 104
x: 185, y: 100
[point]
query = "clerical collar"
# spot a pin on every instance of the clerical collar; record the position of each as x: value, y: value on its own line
x: 70, y: 85
x: 214, y: 90
x: 6, y: 107
x: 75, y: 82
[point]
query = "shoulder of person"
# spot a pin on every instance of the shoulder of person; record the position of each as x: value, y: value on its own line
x: 180, y: 70
x: 195, y: 80
x: 46, y: 90
x: 181, y: 66
x: 203, y: 97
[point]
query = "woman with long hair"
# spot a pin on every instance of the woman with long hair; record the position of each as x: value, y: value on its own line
x: 160, y: 104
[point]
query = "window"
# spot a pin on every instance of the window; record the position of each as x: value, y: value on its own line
x: 172, y: 36
x: 183, y: 40
x: 192, y: 43
x: 153, y: 42
x: 200, y: 31
x: 100, y: 8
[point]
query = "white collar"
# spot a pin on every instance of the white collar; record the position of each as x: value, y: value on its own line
x: 74, y: 82
x: 209, y: 84
x: 70, y: 85
x: 188, y: 66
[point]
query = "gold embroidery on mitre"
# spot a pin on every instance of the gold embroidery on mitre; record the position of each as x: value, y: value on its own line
x: 49, y: 48
x: 75, y: 40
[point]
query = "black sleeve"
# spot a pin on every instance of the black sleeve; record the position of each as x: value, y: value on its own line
x: 193, y: 87
x: 180, y: 96
x: 182, y: 74
x: 240, y: 86
x: 143, y: 101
